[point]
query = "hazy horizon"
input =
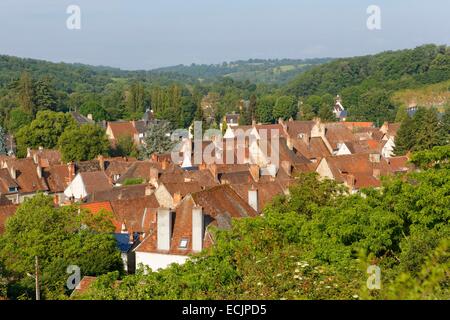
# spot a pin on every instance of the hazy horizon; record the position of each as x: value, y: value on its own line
x: 147, y: 35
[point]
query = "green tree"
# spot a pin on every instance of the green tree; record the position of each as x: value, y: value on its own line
x: 405, y: 139
x: 285, y: 108
x: 157, y: 140
x: 125, y: 147
x: 59, y: 237
x: 3, y: 144
x: 44, y: 131
x: 429, y: 131
x: 306, y: 112
x: 18, y: 119
x: 26, y: 94
x: 264, y: 109
x: 402, y: 114
x: 83, y: 143
x: 136, y: 98
x: 44, y: 95
x: 326, y: 113
x: 94, y: 108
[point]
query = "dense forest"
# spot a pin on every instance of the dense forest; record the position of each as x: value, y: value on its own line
x: 374, y: 88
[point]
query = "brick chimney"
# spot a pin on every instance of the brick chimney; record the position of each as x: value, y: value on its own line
x: 376, y: 173
x: 213, y: 169
x: 164, y: 164
x: 164, y: 229
x: 154, y: 176
x: 350, y: 179
x: 375, y: 157
x: 39, y: 171
x: 176, y: 198
x: 101, y: 162
x: 197, y: 229
x: 148, y: 190
x: 71, y: 169
x: 287, y: 167
x: 13, y: 172
x: 254, y: 171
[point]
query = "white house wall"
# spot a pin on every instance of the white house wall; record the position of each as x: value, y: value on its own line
x: 158, y: 261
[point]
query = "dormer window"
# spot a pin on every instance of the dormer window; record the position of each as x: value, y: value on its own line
x: 12, y: 189
x: 184, y: 243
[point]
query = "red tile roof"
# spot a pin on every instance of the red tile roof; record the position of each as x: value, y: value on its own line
x: 122, y: 128
x: 6, y: 211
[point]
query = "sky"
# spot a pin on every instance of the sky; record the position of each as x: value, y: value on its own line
x: 146, y: 34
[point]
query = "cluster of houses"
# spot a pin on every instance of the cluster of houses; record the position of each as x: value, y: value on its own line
x: 169, y: 214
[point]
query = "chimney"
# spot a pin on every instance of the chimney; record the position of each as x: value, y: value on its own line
x: 254, y: 171
x: 164, y: 164
x: 39, y: 171
x: 71, y: 167
x: 305, y: 138
x: 287, y: 167
x: 154, y: 176
x: 176, y: 198
x: 89, y: 116
x: 124, y: 228
x: 148, y: 190
x: 253, y: 122
x: 13, y: 172
x: 253, y: 198
x: 350, y: 179
x: 131, y: 238
x: 164, y: 229
x: 101, y: 162
x: 41, y: 148
x: 35, y: 158
x: 197, y: 229
x: 375, y: 157
x: 213, y: 170
x: 56, y: 199
x: 376, y: 173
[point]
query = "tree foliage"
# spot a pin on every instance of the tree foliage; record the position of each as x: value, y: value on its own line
x: 83, y: 143
x: 59, y: 237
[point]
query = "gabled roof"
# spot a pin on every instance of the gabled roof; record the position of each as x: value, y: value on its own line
x: 314, y: 149
x: 135, y: 213
x: 26, y: 175
x: 45, y: 157
x: 220, y: 205
x: 337, y: 133
x: 6, y: 182
x: 57, y: 177
x: 266, y: 191
x: 120, y: 193
x: 358, y: 166
x: 95, y: 181
x: 122, y: 128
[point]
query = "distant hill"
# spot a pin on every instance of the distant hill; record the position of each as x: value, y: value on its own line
x: 367, y: 84
x: 391, y: 69
x: 275, y: 71
x: 75, y: 76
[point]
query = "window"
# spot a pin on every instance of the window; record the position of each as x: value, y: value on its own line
x: 12, y: 189
x: 184, y: 243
